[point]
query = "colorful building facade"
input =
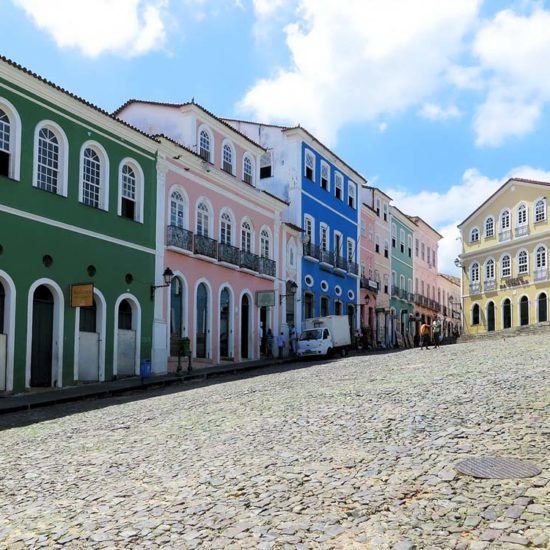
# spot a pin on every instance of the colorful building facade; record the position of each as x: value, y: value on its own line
x: 77, y: 238
x: 504, y: 260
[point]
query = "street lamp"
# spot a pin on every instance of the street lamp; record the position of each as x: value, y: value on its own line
x: 168, y: 275
x: 291, y: 288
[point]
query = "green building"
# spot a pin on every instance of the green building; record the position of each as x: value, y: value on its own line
x: 77, y: 238
x: 402, y: 293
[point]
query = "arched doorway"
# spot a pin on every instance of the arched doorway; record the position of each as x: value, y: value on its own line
x: 542, y: 303
x: 507, y: 313
x: 177, y: 311
x: 88, y: 344
x: 126, y: 349
x: 245, y: 327
x: 225, y: 324
x: 42, y: 337
x: 3, y: 341
x: 490, y: 317
x: 201, y: 321
x: 524, y: 311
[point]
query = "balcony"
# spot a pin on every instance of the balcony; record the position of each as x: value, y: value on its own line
x: 475, y: 288
x: 341, y: 263
x: 182, y: 238
x: 353, y: 268
x: 444, y: 311
x: 541, y: 273
x: 205, y: 246
x: 403, y: 294
x: 312, y: 251
x: 250, y: 261
x: 522, y: 231
x: 505, y: 235
x: 490, y: 285
x: 395, y: 290
x: 228, y: 254
x: 326, y: 257
x: 267, y: 267
x: 369, y: 284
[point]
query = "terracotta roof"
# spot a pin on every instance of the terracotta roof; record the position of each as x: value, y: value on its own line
x: 522, y: 180
x: 451, y: 278
x: 73, y: 96
x: 326, y: 148
x: 415, y: 220
x: 187, y: 104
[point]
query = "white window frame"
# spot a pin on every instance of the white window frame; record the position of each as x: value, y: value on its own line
x: 250, y: 235
x: 14, y: 145
x: 228, y: 146
x: 206, y: 129
x: 335, y: 236
x: 136, y: 167
x: 104, y: 174
x: 248, y: 157
x: 352, y: 194
x: 544, y: 263
x: 506, y: 271
x: 350, y: 241
x: 325, y: 167
x: 309, y: 220
x: 339, y: 186
x: 210, y: 218
x: 522, y: 215
x: 505, y: 219
x: 265, y: 237
x: 474, y: 273
x: 489, y: 224
x: 227, y: 219
x: 539, y: 215
x: 184, y: 203
x: 490, y: 271
x: 522, y: 253
x: 309, y: 155
x: 324, y: 237
x: 474, y: 232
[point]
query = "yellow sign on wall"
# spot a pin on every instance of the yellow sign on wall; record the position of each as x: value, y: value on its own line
x: 82, y: 295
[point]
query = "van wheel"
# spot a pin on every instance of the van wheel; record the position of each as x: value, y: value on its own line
x: 330, y: 352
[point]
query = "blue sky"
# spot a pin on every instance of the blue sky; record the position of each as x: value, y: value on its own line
x: 437, y: 103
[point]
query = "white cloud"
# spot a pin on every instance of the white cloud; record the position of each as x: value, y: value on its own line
x: 359, y: 60
x: 382, y: 127
x: 125, y: 27
x: 445, y: 210
x: 513, y: 51
x: 432, y: 111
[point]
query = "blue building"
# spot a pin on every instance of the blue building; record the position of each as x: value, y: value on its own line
x: 323, y: 193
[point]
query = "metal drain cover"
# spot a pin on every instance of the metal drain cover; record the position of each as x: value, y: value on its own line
x: 494, y: 467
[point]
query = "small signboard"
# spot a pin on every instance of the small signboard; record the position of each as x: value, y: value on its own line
x: 82, y: 295
x: 265, y: 298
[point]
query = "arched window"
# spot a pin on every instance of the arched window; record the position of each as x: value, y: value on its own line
x: 474, y: 273
x: 522, y: 215
x: 325, y: 181
x: 5, y: 144
x: 506, y: 266
x: 265, y: 244
x: 248, y: 176
x: 489, y: 227
x: 490, y: 269
x: 324, y: 237
x: 204, y: 145
x: 227, y: 161
x: 310, y: 166
x: 339, y: 186
x: 48, y: 161
x: 541, y: 257
x: 540, y: 210
x: 177, y: 209
x: 92, y: 177
x: 226, y: 228
x: 474, y: 235
x: 505, y: 220
x: 128, y: 198
x: 203, y: 219
x: 475, y: 314
x: 246, y: 237
x: 523, y: 262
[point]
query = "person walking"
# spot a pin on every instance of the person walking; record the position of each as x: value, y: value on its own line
x: 269, y: 343
x: 424, y: 336
x: 436, y: 327
x: 292, y: 338
x: 281, y: 344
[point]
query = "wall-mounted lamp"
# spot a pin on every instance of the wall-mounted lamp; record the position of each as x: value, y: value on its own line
x: 291, y: 288
x: 458, y: 263
x: 367, y: 299
x: 168, y: 275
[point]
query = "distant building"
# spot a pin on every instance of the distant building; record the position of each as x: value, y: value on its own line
x: 450, y: 304
x: 505, y: 259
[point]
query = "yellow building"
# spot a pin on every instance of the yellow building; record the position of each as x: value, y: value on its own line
x: 505, y: 259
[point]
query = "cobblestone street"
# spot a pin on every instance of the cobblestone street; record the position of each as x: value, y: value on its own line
x: 354, y: 453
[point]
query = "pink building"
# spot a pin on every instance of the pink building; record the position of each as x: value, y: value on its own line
x: 221, y: 236
x: 369, y: 287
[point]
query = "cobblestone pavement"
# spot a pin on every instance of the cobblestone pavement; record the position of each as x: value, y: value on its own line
x: 354, y: 453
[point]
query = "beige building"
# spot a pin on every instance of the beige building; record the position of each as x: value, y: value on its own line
x: 505, y: 259
x: 448, y: 288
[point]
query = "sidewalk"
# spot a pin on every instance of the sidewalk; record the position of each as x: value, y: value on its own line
x: 25, y: 401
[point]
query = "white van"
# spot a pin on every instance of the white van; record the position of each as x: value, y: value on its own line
x: 325, y: 336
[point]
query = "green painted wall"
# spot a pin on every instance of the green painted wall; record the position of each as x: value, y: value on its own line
x: 24, y: 242
x: 402, y: 264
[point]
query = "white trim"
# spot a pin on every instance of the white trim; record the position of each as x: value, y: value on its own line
x: 228, y: 142
x: 74, y: 229
x: 63, y: 174
x: 176, y: 187
x: 270, y: 241
x: 329, y: 207
x: 10, y: 296
x: 104, y: 173
x: 528, y: 261
x: 140, y: 180
x: 204, y: 199
x: 470, y: 240
x: 325, y: 164
x: 250, y: 157
x: 209, y: 311
x: 136, y: 326
x: 252, y: 234
x: 229, y: 212
x: 184, y: 309
x: 489, y: 217
x: 212, y: 150
x: 16, y: 129
x: 57, y: 332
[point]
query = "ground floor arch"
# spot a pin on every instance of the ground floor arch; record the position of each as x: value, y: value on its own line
x: 7, y: 331
x: 126, y: 355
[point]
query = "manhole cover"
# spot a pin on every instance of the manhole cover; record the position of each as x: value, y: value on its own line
x: 493, y: 467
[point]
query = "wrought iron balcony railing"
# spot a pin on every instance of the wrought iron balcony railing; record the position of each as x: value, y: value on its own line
x: 353, y: 267
x: 180, y: 237
x: 370, y: 284
x: 205, y: 246
x: 228, y: 253
x: 326, y: 257
x: 249, y: 260
x: 395, y: 290
x: 312, y: 251
x: 341, y: 263
x: 268, y: 267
